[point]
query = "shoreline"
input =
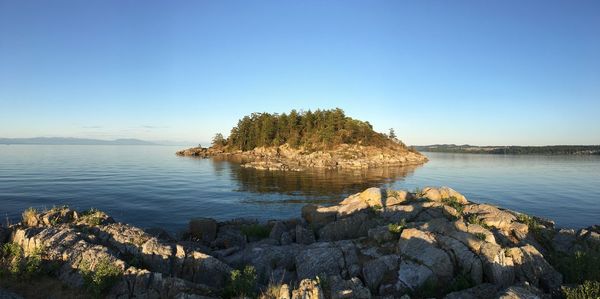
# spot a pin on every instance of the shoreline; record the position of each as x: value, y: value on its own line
x: 373, y: 244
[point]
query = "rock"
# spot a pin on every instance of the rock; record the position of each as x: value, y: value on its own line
x: 278, y: 229
x: 372, y: 197
x: 381, y: 234
x: 481, y: 291
x: 269, y: 261
x: 352, y: 288
x: 491, y: 215
x: 374, y: 271
x: 304, y: 236
x: 56, y: 216
x: 420, y: 246
x: 519, y: 292
x: 468, y: 262
x: 439, y: 194
x: 204, y: 229
x: 351, y: 227
x: 286, y: 239
x: 531, y: 266
x: 321, y: 260
x: 497, y: 267
x: 564, y: 240
x: 202, y: 268
x: 229, y: 237
x: 308, y: 289
x: 399, y: 212
x: 397, y: 197
x: 318, y: 216
x: 411, y: 276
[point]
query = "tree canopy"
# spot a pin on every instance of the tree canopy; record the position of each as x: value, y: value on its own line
x: 321, y: 129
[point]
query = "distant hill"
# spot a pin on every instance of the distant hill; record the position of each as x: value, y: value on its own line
x: 73, y: 141
x: 513, y: 150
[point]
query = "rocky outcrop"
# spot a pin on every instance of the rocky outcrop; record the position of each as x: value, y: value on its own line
x: 377, y: 243
x: 286, y: 158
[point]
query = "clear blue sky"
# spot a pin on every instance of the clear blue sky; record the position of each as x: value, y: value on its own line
x: 478, y: 72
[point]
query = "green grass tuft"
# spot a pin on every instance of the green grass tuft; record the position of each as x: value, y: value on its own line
x: 100, y: 279
x: 255, y: 231
x: 397, y: 228
x: 242, y: 283
x: 589, y: 289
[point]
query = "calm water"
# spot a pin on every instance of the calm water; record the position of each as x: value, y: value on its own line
x: 150, y: 186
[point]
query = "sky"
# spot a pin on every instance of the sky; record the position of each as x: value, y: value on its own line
x: 476, y: 72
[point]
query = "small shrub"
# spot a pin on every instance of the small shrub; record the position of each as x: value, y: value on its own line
x: 100, y: 279
x: 19, y: 265
x: 376, y: 208
x: 589, y: 289
x: 473, y: 219
x: 272, y: 291
x: 453, y: 202
x: 396, y: 228
x: 418, y: 191
x: 30, y: 217
x: 480, y: 236
x: 93, y: 217
x: 577, y: 267
x: 241, y: 283
x: 255, y: 231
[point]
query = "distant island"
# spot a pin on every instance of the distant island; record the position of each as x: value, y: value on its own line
x: 299, y: 140
x: 513, y: 150
x: 73, y: 141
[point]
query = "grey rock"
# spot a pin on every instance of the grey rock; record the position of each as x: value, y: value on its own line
x: 304, y: 235
x: 321, y: 260
x: 411, y: 276
x: 351, y: 227
x: 352, y: 288
x: 481, y: 291
x: 204, y: 229
x: 374, y: 271
x: 420, y: 246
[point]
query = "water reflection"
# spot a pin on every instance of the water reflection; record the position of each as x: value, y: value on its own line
x: 309, y: 186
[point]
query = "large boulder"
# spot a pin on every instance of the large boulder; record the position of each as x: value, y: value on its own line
x: 439, y: 194
x: 373, y: 197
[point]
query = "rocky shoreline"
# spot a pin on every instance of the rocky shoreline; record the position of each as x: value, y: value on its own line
x: 374, y: 244
x: 285, y: 158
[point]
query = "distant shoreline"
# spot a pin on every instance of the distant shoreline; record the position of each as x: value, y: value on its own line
x: 82, y: 141
x: 581, y: 150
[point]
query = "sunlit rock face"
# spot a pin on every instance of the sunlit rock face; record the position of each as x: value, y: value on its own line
x: 432, y: 242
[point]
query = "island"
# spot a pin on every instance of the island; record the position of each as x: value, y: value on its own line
x: 325, y: 139
x: 425, y: 243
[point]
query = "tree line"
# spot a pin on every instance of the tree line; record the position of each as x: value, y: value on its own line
x: 313, y: 130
